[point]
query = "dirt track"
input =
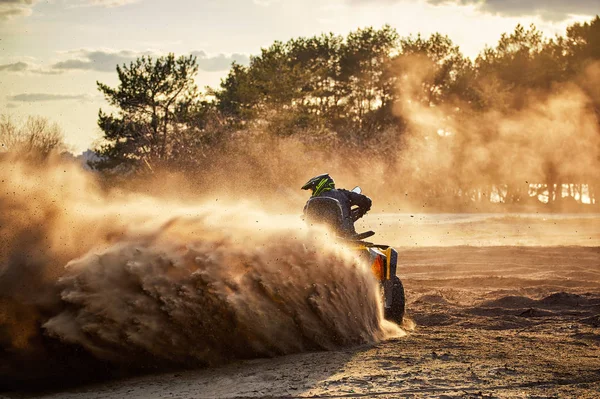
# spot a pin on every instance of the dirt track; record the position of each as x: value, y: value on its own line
x: 505, y: 322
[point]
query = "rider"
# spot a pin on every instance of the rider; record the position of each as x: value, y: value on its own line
x: 324, y: 186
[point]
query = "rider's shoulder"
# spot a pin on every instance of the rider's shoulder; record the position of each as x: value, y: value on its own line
x: 340, y: 191
x: 335, y: 193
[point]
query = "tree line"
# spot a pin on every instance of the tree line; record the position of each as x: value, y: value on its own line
x: 342, y: 94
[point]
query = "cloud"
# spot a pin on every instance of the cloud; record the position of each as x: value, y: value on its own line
x: 106, y: 61
x: 220, y: 62
x: 104, y: 3
x: 40, y: 97
x: 112, y: 3
x: 31, y: 67
x: 552, y: 10
x: 15, y: 67
x: 265, y: 3
x: 103, y: 61
x: 15, y: 8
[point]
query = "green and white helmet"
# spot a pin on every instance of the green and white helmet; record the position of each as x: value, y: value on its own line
x: 319, y: 184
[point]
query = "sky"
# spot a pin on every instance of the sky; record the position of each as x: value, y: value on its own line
x: 53, y: 52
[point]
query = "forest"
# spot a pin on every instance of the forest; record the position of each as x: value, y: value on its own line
x: 410, y: 118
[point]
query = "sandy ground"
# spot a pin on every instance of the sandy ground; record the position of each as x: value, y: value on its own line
x: 491, y: 322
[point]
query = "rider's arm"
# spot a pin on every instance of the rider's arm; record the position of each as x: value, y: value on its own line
x: 361, y: 201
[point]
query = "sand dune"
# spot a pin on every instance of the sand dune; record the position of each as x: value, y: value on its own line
x: 495, y: 322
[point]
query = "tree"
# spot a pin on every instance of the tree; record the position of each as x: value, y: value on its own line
x: 365, y: 64
x: 35, y: 139
x: 237, y: 99
x: 316, y: 63
x: 155, y: 99
x: 521, y: 61
x: 316, y: 83
x: 581, y: 47
x: 582, y: 44
x: 451, y: 73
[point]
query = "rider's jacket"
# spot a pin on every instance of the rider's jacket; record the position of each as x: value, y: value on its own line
x: 347, y: 200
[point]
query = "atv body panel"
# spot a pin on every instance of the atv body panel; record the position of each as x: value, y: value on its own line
x: 384, y: 265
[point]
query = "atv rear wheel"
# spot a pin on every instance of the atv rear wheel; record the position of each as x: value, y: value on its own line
x: 396, y: 311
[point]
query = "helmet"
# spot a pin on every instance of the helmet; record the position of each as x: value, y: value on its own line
x: 319, y: 184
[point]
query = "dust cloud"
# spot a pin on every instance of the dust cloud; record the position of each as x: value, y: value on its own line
x: 98, y: 280
x: 450, y: 157
x: 520, y: 138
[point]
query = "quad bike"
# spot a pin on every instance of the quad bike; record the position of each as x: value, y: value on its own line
x: 382, y: 258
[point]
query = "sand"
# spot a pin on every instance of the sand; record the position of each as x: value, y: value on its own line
x: 490, y: 321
